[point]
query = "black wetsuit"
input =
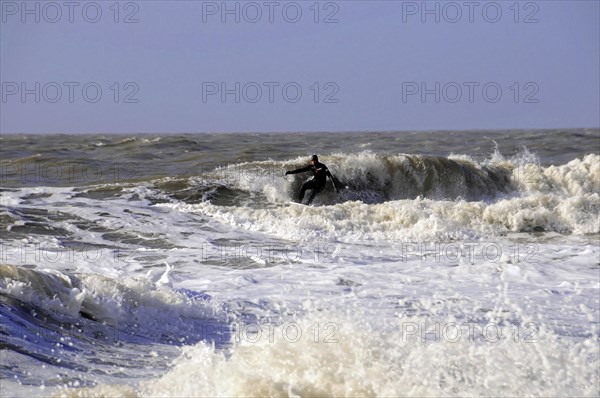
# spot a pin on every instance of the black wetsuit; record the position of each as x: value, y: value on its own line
x: 320, y: 172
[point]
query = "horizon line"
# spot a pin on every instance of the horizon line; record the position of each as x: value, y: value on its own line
x: 308, y: 131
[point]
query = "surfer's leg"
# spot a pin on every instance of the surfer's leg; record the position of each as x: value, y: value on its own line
x: 315, y: 191
x: 305, y: 186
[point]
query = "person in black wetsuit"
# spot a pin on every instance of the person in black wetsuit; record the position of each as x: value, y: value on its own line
x: 320, y: 171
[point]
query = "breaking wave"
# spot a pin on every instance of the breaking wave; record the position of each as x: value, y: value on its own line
x: 411, y: 197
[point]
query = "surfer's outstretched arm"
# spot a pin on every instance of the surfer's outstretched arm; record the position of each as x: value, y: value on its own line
x: 302, y: 170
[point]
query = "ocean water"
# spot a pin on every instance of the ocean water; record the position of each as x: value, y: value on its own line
x: 450, y: 264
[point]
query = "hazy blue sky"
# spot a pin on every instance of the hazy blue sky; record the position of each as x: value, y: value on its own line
x: 162, y: 66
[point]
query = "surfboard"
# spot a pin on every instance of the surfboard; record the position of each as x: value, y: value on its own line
x: 298, y: 204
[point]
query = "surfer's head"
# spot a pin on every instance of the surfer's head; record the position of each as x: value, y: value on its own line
x: 314, y: 159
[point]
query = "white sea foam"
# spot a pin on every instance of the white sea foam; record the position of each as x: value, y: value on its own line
x: 128, y: 300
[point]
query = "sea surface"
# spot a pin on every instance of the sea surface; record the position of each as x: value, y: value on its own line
x: 451, y: 263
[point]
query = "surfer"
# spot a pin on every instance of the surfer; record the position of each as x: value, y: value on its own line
x: 320, y: 171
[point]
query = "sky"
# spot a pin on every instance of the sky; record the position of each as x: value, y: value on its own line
x: 276, y: 66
